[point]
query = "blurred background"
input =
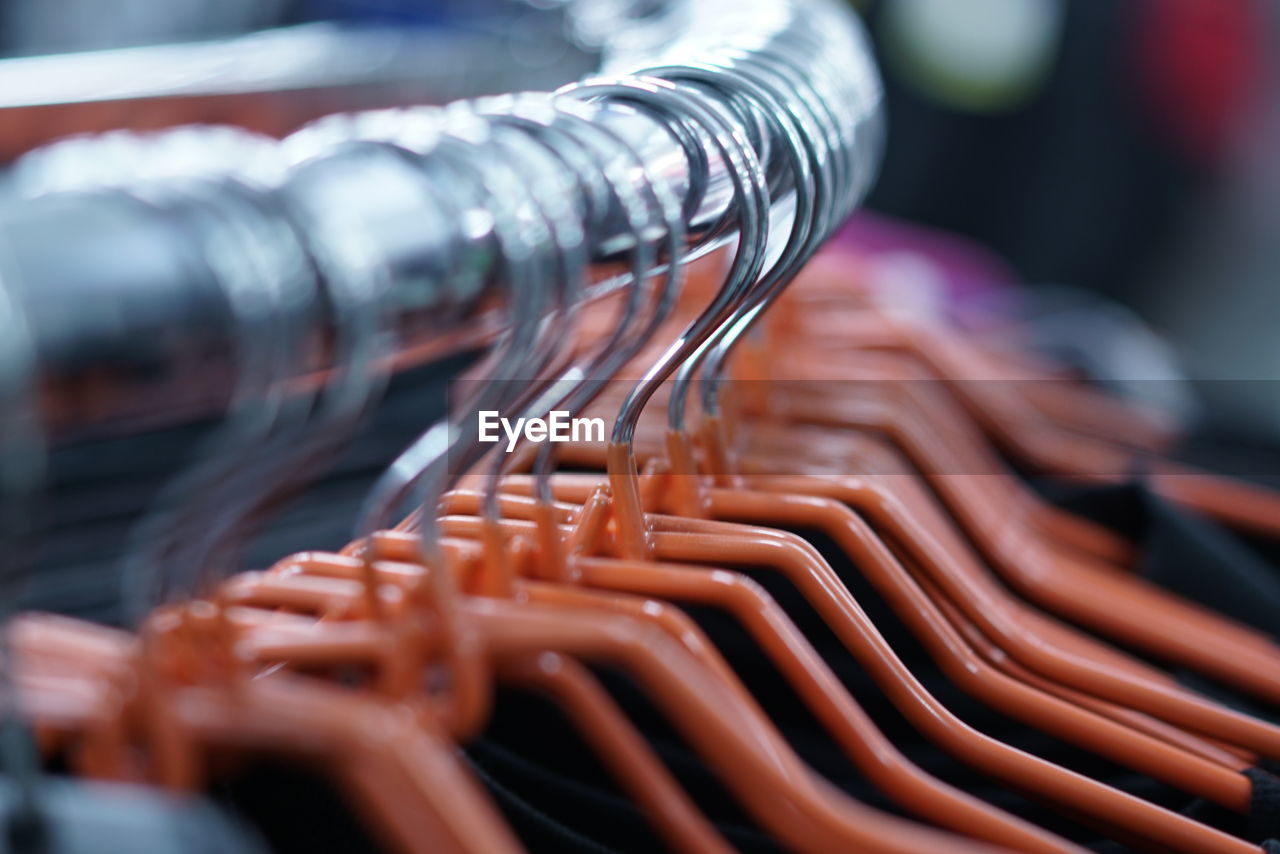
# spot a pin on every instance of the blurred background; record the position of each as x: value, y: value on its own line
x: 1120, y: 149
x: 1124, y: 150
x: 1102, y: 170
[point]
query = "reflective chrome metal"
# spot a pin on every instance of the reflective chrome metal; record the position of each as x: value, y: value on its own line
x: 119, y: 300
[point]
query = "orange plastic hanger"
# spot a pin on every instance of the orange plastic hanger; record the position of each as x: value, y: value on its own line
x: 1130, y: 680
x: 1158, y: 694
x: 1153, y: 620
x: 831, y: 293
x: 419, y: 797
x: 713, y: 543
x: 329, y: 586
x: 1011, y: 627
x: 751, y: 759
x: 1157, y: 622
x: 814, y: 681
x: 712, y: 120
x: 1025, y: 433
x: 1094, y: 657
x: 633, y: 540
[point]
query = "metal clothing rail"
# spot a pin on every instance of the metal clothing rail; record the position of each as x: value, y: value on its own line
x: 125, y: 304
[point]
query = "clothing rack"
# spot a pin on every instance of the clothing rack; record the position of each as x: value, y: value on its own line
x: 128, y: 336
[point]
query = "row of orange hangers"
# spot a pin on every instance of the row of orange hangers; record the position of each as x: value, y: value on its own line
x: 828, y: 415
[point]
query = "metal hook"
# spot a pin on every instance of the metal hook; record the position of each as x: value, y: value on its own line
x: 804, y: 188
x: 277, y: 462
x: 521, y: 240
x: 828, y: 208
x: 570, y: 247
x: 653, y: 220
x: 22, y: 475
x: 811, y: 196
x: 750, y: 187
x: 253, y: 299
x: 654, y: 211
x: 752, y: 207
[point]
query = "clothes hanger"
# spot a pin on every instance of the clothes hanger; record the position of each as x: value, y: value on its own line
x: 722, y: 561
x: 649, y: 212
x: 847, y: 322
x: 708, y: 402
x: 775, y: 482
x: 821, y: 108
x: 620, y: 420
x: 453, y: 444
x: 820, y: 689
x: 693, y: 698
x: 1161, y: 701
x: 678, y: 819
x: 1247, y: 653
x: 1230, y: 628
x: 1155, y: 622
x: 409, y: 780
x: 1226, y: 781
x: 22, y: 461
x: 688, y: 542
x: 320, y: 721
x: 428, y: 504
x: 608, y: 349
x: 911, y: 790
x: 1109, y: 546
x: 39, y: 812
x: 826, y: 302
x: 1024, y: 433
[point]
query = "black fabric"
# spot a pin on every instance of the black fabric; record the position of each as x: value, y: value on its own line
x: 537, y: 828
x: 1264, y: 808
x: 1236, y: 450
x: 297, y: 811
x: 1186, y: 554
x: 533, y: 757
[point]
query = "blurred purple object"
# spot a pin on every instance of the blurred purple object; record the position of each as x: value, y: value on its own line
x: 975, y: 281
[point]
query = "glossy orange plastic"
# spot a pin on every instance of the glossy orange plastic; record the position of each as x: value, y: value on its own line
x: 875, y: 754
x: 1013, y: 422
x: 1080, y: 590
x: 1046, y: 648
x: 418, y: 795
x: 703, y: 541
x: 754, y: 762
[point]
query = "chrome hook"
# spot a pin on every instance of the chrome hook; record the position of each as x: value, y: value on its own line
x: 684, y: 104
x: 521, y: 239
x: 653, y: 219
x: 23, y: 454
